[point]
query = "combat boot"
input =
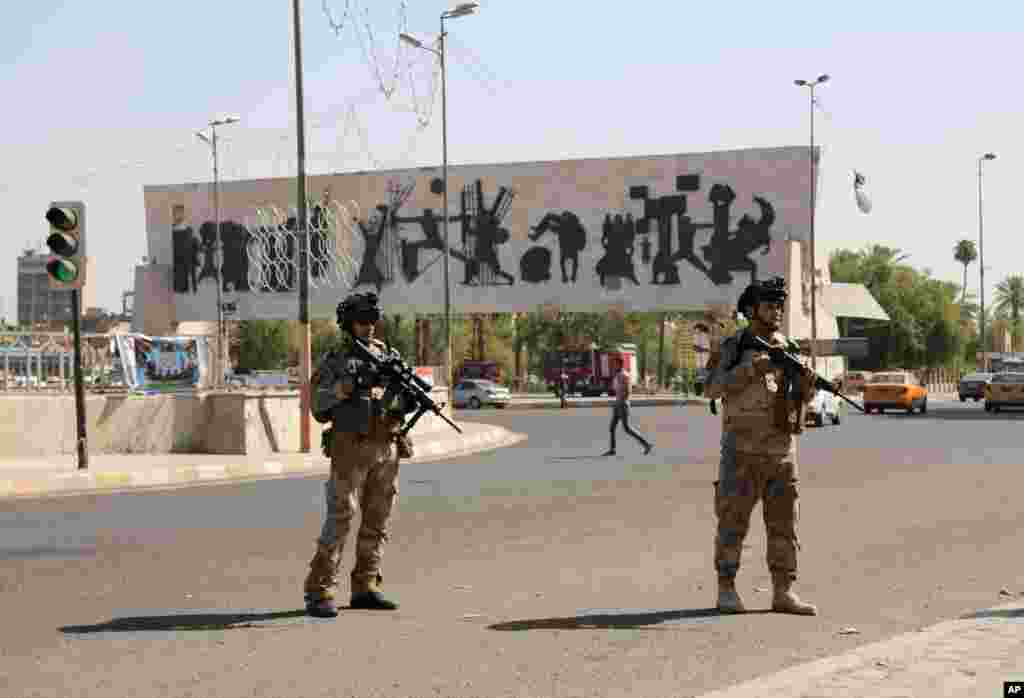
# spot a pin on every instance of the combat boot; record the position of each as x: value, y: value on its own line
x: 785, y: 601
x: 366, y: 595
x: 319, y: 594
x: 728, y: 600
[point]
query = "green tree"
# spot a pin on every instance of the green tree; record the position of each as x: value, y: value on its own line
x: 263, y: 344
x: 965, y: 252
x: 1010, y: 300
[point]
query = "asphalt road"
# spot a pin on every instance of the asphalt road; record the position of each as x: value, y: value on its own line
x: 905, y: 520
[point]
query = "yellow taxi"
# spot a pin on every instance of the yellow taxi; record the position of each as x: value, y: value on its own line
x: 1004, y: 390
x: 895, y: 390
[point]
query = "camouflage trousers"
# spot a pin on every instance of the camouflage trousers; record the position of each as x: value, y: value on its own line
x: 364, y: 477
x: 744, y: 479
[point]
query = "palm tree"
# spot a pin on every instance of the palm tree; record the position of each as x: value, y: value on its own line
x: 1010, y: 299
x: 965, y: 252
x: 878, y: 262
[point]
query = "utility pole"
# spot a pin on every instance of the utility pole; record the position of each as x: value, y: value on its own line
x: 302, y: 228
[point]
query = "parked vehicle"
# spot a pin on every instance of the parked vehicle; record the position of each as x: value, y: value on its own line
x: 485, y: 370
x: 895, y: 390
x: 1006, y: 361
x: 973, y: 386
x: 854, y: 381
x: 1004, y: 390
x: 477, y: 393
x: 824, y: 406
x: 588, y: 371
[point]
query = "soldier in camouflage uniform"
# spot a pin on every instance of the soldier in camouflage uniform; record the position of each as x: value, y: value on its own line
x: 364, y: 446
x: 758, y: 459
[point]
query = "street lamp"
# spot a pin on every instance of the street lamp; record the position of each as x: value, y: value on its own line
x: 981, y: 259
x: 219, y: 253
x: 811, y: 84
x: 460, y: 10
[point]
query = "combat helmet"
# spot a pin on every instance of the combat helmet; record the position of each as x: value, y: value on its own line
x: 358, y: 306
x: 770, y: 290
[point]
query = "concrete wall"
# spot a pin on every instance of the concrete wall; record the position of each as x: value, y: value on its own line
x: 250, y: 423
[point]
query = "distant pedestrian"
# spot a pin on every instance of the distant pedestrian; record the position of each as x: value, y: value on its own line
x: 621, y: 385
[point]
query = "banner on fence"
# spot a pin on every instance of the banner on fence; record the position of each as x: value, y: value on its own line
x: 162, y: 364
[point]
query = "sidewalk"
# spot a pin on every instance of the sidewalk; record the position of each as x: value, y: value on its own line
x: 969, y: 657
x: 46, y: 477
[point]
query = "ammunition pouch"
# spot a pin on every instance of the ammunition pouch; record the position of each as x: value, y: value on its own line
x: 788, y: 410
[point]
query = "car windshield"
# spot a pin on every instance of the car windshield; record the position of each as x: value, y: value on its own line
x: 1008, y: 378
x: 889, y: 378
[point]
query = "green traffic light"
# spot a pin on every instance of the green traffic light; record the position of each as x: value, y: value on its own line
x: 62, y: 270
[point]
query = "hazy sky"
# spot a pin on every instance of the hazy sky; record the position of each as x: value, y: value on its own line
x: 102, y: 98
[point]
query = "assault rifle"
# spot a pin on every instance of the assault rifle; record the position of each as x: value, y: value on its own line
x: 389, y: 366
x: 790, y: 364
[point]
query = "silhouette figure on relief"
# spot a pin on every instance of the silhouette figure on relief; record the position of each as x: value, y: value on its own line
x: 482, y: 233
x: 208, y: 246
x: 663, y: 210
x: 572, y: 238
x: 382, y: 243
x: 184, y: 253
x: 728, y: 251
x: 535, y: 265
x: 617, y: 238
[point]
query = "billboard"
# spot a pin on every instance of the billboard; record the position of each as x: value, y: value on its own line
x: 162, y: 364
x: 634, y: 233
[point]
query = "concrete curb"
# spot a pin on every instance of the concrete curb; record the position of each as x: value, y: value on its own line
x: 964, y: 657
x: 572, y: 403
x: 280, y: 465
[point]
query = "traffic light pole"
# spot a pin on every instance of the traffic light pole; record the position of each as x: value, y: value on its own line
x: 76, y: 330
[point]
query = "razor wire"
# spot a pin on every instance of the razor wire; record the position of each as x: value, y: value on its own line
x: 273, y: 245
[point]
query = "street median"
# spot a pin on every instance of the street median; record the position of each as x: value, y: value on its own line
x: 108, y: 473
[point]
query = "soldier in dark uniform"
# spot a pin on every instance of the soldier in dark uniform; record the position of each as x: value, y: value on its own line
x: 758, y: 458
x: 364, y: 445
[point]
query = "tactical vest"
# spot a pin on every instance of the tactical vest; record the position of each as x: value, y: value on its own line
x: 749, y: 414
x: 357, y: 413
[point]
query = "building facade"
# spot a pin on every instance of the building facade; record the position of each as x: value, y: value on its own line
x: 37, y: 302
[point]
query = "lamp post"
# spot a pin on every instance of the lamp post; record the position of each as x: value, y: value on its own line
x: 219, y: 252
x: 811, y: 84
x: 981, y: 261
x: 461, y: 10
x: 302, y: 229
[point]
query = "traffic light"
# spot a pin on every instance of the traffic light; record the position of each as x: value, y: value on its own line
x: 66, y: 265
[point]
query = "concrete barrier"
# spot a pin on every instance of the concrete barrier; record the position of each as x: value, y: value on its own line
x: 250, y: 423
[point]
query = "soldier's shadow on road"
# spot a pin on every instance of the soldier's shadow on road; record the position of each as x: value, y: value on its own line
x: 1006, y: 613
x: 626, y: 620
x: 184, y: 621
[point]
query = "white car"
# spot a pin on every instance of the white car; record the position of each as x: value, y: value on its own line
x: 478, y: 392
x: 824, y: 405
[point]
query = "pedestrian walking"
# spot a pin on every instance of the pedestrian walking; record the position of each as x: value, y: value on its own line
x: 622, y: 386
